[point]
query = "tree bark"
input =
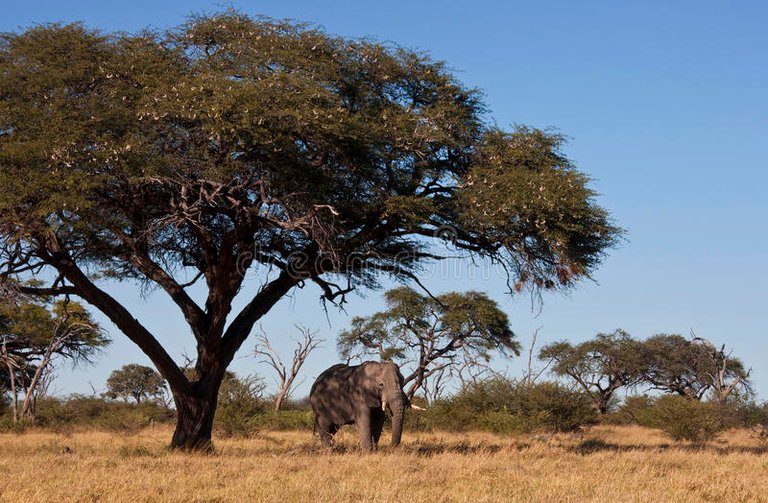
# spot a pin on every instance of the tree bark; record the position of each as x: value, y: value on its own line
x: 14, y: 391
x: 28, y: 409
x: 279, y: 400
x: 194, y: 419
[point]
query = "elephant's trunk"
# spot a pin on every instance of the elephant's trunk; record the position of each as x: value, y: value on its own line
x: 398, y: 412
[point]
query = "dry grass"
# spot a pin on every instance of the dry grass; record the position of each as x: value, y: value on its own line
x: 607, y: 464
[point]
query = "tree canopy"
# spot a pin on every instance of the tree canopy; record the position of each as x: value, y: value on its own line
x: 235, y: 143
x: 692, y: 368
x: 137, y: 382
x: 600, y: 366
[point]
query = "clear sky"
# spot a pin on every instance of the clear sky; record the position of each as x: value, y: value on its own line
x: 666, y: 105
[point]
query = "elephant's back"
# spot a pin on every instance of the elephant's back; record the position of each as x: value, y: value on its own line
x: 334, y: 375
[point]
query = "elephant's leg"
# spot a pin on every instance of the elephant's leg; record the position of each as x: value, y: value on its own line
x: 363, y: 421
x: 377, y: 424
x: 327, y: 430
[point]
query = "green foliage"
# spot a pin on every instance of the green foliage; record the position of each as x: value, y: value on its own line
x: 600, y: 366
x: 135, y: 381
x: 351, y: 148
x: 241, y: 403
x: 283, y: 420
x: 679, y: 417
x: 505, y: 406
x: 78, y: 411
x: 523, y: 192
x: 692, y: 368
x: 635, y: 409
x: 685, y: 419
x: 750, y: 413
x: 29, y: 327
x: 736, y: 413
x: 8, y: 425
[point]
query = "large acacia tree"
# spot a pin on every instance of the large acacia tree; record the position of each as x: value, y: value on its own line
x: 230, y: 144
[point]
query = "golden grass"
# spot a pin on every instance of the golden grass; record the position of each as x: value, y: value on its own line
x: 607, y: 464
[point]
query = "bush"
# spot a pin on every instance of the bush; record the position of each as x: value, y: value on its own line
x: 679, y: 417
x: 635, y: 410
x: 8, y: 425
x: 505, y: 406
x: 743, y: 412
x: 685, y: 419
x: 77, y: 410
x: 284, y: 420
x: 240, y: 404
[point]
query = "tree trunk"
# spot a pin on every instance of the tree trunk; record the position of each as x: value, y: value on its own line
x: 196, y: 407
x: 14, y: 394
x: 194, y: 422
x: 279, y: 400
x: 28, y: 408
x: 12, y: 377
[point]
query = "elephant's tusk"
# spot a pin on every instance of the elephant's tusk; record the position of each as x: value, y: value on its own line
x: 416, y: 407
x: 384, y: 405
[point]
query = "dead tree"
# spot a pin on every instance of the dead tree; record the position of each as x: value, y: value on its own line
x: 725, y: 373
x: 286, y: 377
x: 532, y: 375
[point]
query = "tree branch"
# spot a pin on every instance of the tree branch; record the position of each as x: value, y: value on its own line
x: 261, y: 303
x: 118, y: 314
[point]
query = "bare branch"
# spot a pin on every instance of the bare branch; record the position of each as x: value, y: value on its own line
x: 286, y: 378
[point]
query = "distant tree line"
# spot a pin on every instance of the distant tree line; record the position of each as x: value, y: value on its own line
x: 692, y: 368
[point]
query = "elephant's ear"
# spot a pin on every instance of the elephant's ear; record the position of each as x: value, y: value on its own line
x: 367, y: 387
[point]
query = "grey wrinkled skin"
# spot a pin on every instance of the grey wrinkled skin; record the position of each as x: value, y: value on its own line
x: 354, y: 394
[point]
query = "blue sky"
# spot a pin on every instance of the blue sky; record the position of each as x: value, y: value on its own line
x: 666, y: 107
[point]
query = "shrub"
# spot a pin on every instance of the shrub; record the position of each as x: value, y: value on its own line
x: 743, y: 412
x: 505, y: 406
x: 240, y: 404
x: 285, y: 420
x: 679, y: 417
x: 685, y: 419
x: 551, y: 407
x: 8, y: 425
x: 635, y: 410
x: 78, y: 410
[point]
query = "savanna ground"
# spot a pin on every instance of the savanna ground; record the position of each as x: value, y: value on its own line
x: 608, y: 463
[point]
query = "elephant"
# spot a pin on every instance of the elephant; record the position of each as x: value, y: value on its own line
x: 359, y: 394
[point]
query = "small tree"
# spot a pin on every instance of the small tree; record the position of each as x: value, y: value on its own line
x: 692, y: 367
x: 137, y: 382
x: 32, y: 335
x: 285, y: 377
x: 427, y: 334
x: 599, y: 366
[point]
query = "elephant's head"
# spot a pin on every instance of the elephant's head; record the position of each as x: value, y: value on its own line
x: 383, y: 385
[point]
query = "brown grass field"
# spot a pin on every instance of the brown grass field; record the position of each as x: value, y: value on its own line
x: 606, y: 464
